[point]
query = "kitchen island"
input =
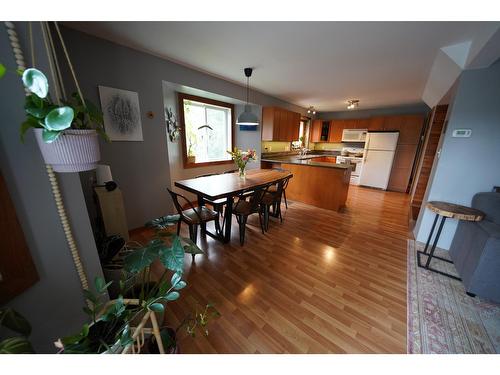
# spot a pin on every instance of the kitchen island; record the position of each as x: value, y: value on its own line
x: 317, y: 179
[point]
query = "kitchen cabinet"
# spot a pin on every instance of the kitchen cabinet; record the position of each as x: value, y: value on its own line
x: 363, y: 123
x: 336, y: 129
x: 376, y: 123
x: 315, y: 132
x: 279, y: 124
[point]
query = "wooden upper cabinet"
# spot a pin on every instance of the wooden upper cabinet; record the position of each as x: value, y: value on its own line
x: 376, y: 123
x: 315, y: 132
x: 279, y: 124
x: 363, y: 123
x: 351, y: 123
x: 336, y: 129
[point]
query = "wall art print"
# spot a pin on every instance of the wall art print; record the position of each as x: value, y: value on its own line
x: 122, y: 115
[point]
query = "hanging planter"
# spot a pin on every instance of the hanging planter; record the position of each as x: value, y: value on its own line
x: 73, y: 151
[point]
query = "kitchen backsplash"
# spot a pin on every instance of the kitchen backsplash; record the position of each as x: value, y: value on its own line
x: 334, y: 146
x: 276, y: 146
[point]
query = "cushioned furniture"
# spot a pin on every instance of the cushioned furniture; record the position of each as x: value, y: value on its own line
x: 475, y: 249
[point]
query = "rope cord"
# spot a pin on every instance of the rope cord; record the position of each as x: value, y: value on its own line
x: 56, y: 60
x: 14, y: 41
x: 70, y: 64
x: 51, y: 62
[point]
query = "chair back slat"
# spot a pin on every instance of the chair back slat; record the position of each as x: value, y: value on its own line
x: 175, y: 198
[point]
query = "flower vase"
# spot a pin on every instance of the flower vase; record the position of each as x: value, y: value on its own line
x: 242, y: 172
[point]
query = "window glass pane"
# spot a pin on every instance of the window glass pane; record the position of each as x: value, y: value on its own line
x: 208, y: 131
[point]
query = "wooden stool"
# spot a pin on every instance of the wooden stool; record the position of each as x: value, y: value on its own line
x: 445, y: 210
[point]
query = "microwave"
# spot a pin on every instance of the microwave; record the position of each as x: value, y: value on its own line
x: 354, y: 135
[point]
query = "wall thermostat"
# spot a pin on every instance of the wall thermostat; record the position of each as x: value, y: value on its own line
x: 462, y: 133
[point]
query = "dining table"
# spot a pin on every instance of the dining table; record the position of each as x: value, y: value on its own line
x: 227, y: 186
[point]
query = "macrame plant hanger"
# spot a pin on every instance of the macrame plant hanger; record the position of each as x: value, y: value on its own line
x: 60, y: 93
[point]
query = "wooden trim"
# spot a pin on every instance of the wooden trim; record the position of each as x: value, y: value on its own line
x: 181, y: 97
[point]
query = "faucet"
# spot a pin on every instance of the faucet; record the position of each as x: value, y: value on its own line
x: 303, y: 151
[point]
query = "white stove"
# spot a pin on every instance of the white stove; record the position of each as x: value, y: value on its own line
x: 353, y: 156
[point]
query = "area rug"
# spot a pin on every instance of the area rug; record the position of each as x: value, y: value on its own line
x: 441, y: 317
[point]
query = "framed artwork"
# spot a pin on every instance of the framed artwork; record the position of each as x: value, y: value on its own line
x: 121, y: 113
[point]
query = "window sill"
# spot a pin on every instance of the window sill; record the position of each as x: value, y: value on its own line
x: 206, y: 164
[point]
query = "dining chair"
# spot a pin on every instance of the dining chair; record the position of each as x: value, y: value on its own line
x: 193, y: 216
x: 273, y: 199
x: 275, y: 186
x: 217, y: 204
x: 247, y: 205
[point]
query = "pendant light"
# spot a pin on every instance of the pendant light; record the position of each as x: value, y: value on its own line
x: 247, y: 117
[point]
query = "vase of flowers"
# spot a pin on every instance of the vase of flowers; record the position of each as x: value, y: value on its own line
x: 241, y: 158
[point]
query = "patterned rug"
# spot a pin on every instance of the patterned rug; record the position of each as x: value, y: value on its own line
x: 441, y: 317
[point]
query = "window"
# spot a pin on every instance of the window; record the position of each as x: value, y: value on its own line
x: 207, y: 130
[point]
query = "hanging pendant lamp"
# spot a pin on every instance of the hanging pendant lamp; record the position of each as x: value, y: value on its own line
x: 247, y: 117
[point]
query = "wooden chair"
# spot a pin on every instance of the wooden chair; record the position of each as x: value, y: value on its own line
x: 218, y: 204
x: 247, y: 205
x: 273, y: 199
x: 193, y: 216
x: 275, y: 187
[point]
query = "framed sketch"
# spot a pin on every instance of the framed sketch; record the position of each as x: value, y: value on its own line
x: 121, y: 113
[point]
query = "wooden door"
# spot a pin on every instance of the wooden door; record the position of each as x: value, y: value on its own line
x: 336, y: 129
x: 17, y: 270
x: 409, y: 132
x: 315, y: 132
x: 402, y: 167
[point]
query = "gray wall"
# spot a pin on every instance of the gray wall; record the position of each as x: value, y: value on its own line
x: 141, y: 169
x: 467, y: 165
x: 54, y: 304
x: 365, y: 113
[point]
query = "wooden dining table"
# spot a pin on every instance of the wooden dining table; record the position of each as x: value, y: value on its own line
x: 227, y: 186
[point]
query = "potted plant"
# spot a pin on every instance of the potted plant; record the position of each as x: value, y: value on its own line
x: 67, y: 132
x: 191, y: 157
x: 241, y: 158
x: 192, y: 322
x: 111, y: 324
x: 14, y: 321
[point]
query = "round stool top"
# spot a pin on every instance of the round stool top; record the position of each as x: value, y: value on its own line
x: 455, y: 211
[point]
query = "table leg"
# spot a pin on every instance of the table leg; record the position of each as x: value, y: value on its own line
x: 431, y: 254
x: 228, y: 218
x: 430, y: 233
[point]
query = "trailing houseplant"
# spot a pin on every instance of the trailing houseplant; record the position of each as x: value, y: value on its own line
x: 14, y: 321
x: 193, y: 323
x: 66, y: 130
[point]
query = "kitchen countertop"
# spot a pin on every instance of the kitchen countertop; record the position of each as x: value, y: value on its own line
x: 304, y: 160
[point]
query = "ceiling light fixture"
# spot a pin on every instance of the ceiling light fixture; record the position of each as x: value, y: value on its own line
x: 247, y: 117
x: 353, y: 103
x: 311, y: 110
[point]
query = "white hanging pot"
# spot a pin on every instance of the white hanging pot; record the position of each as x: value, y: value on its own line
x: 74, y: 151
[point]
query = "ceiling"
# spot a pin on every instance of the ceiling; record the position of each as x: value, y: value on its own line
x: 306, y: 63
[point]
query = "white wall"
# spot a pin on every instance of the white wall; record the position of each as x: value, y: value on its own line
x: 467, y: 165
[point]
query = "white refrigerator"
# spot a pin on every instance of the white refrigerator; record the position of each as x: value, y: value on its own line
x: 380, y: 148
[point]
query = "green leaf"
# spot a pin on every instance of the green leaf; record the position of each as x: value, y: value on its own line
x: 2, y: 70
x: 143, y: 257
x: 115, y: 310
x: 89, y: 295
x: 59, y: 118
x: 173, y: 257
x: 163, y: 222
x: 190, y: 247
x: 100, y: 285
x: 20, y: 72
x: 16, y: 345
x: 35, y: 81
x: 50, y: 136
x: 157, y: 307
x: 11, y: 319
x: 176, y: 277
x: 172, y: 296
x: 87, y: 311
x: 180, y: 285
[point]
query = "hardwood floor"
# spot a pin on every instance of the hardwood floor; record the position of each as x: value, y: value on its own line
x: 321, y: 282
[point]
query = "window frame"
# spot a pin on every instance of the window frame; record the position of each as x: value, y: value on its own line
x: 181, y: 97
